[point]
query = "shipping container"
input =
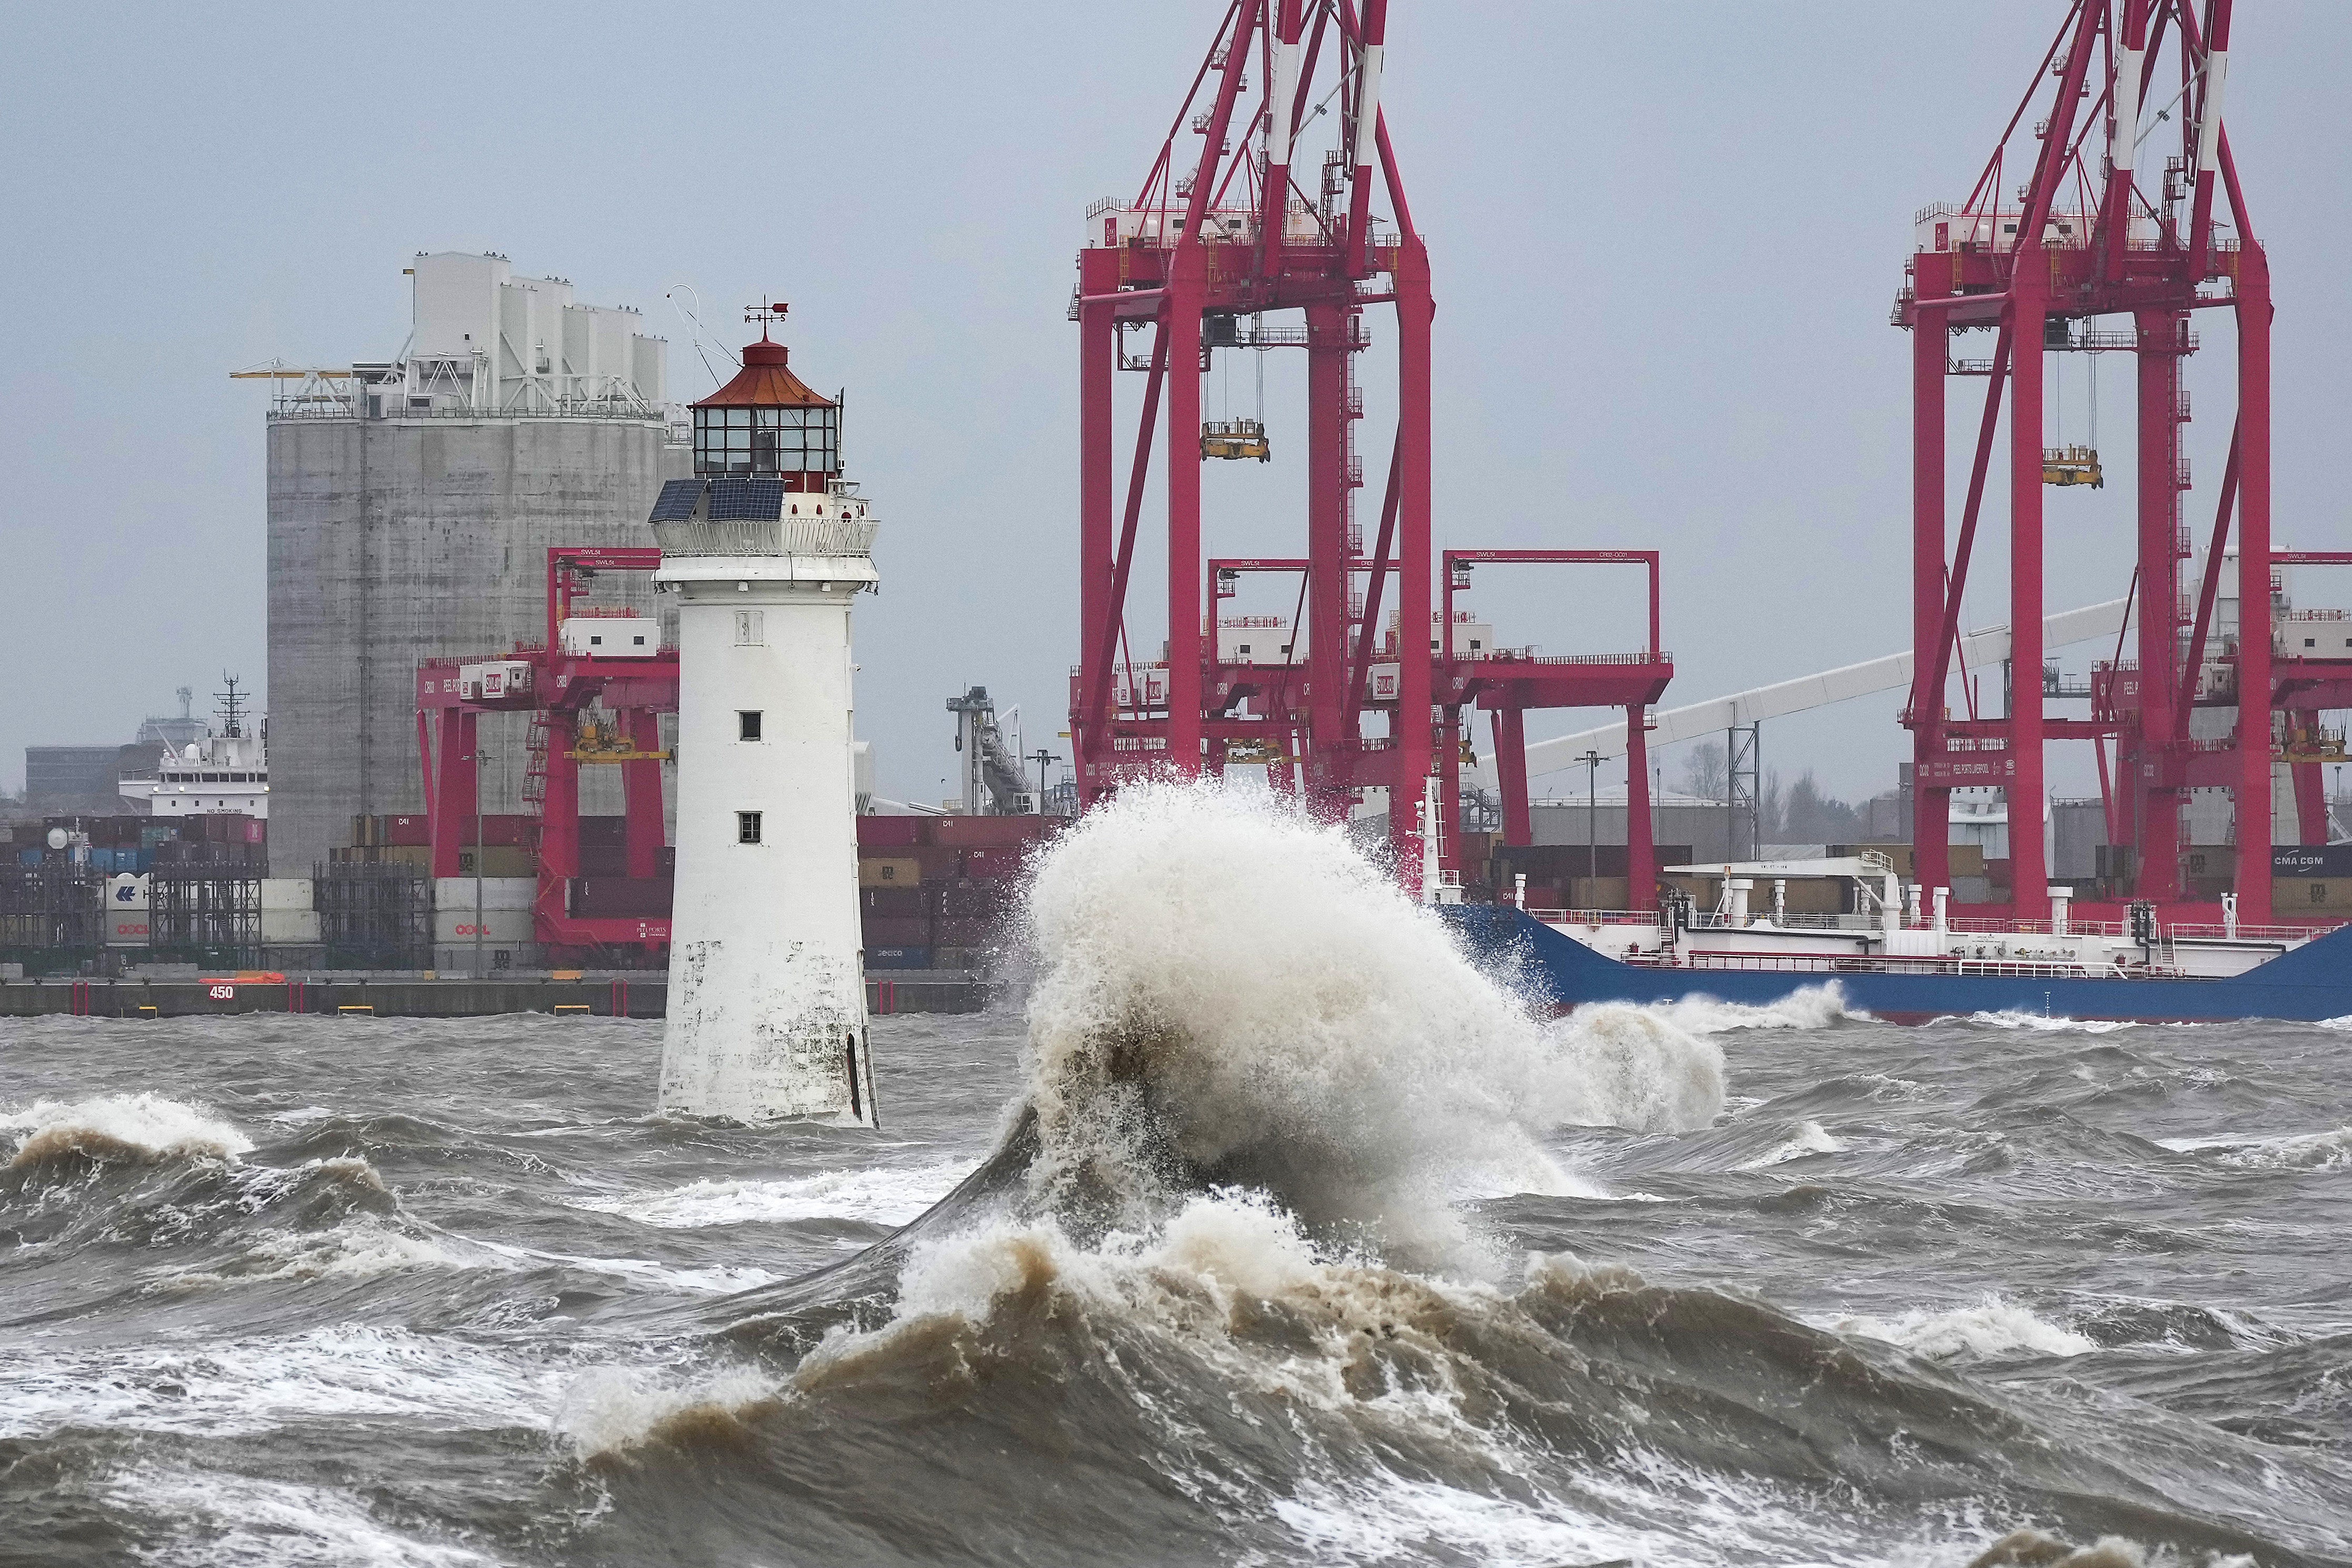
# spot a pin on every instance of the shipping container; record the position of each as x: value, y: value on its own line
x: 610, y: 898
x: 2313, y: 860
x: 497, y: 925
x: 895, y: 872
x: 1596, y: 893
x: 902, y: 901
x: 497, y: 892
x: 508, y: 830
x: 988, y: 832
x: 894, y: 930
x: 288, y: 927
x: 898, y: 956
x: 2214, y: 862
x: 893, y: 833
x: 498, y: 861
x: 600, y: 860
x: 2312, y: 895
x: 973, y: 900
x: 997, y: 864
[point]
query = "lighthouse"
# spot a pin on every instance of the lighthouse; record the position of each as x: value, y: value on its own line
x: 764, y: 552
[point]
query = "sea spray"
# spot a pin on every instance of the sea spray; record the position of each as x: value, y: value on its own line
x: 1228, y: 992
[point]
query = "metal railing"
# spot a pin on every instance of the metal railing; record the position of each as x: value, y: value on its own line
x: 1591, y: 916
x: 340, y: 408
x: 1835, y: 964
x: 768, y: 536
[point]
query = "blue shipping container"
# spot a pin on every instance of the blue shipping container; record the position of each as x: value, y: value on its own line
x: 897, y: 957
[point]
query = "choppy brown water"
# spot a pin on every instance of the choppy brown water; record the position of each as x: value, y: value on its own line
x: 297, y: 1290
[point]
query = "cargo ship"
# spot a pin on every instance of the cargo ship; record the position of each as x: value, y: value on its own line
x: 1898, y: 963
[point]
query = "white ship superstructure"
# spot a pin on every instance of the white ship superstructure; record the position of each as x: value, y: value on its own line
x: 226, y: 769
x: 1902, y: 927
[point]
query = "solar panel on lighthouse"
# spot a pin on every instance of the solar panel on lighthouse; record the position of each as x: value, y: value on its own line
x: 748, y: 500
x: 676, y: 502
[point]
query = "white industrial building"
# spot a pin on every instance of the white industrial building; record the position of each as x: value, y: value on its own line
x: 411, y: 502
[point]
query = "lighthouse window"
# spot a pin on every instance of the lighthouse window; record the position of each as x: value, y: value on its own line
x: 748, y: 629
x: 747, y: 724
x: 747, y: 827
x: 767, y: 440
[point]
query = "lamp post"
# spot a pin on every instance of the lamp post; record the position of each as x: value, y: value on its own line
x: 1591, y: 760
x: 1043, y: 760
x: 479, y: 755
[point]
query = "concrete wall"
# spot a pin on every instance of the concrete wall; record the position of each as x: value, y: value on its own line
x: 393, y: 540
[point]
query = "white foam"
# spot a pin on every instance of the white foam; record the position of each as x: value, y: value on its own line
x: 613, y: 1409
x: 1810, y: 1138
x: 1639, y: 1068
x: 357, y: 1249
x: 2007, y: 1019
x: 2284, y: 1151
x: 1394, y: 1518
x: 712, y: 1279
x: 1222, y: 975
x: 1814, y: 1006
x: 244, y: 1522
x: 878, y: 1196
x: 146, y: 1128
x: 1991, y: 1329
x: 217, y: 1388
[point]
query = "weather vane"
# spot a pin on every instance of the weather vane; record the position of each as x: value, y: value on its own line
x: 765, y: 314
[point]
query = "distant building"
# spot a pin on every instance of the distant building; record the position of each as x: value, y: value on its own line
x: 61, y: 778
x: 412, y: 503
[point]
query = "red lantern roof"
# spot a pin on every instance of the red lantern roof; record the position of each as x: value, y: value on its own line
x: 765, y: 381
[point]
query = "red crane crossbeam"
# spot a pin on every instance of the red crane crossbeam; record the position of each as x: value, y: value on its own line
x: 558, y: 686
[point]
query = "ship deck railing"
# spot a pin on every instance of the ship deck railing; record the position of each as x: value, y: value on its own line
x: 1971, y: 925
x: 1903, y: 964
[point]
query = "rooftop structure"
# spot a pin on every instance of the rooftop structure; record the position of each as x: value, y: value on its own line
x: 413, y: 502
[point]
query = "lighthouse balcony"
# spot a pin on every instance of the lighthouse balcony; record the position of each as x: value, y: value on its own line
x: 830, y: 537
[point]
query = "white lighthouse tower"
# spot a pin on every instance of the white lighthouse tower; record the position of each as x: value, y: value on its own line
x: 765, y: 548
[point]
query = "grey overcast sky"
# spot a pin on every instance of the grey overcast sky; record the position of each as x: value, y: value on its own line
x: 1664, y: 236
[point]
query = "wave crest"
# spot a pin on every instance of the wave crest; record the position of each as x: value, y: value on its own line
x: 121, y: 1129
x: 1991, y: 1329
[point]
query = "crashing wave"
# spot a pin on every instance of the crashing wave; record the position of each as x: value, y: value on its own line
x: 125, y: 1129
x: 612, y: 1410
x: 1229, y: 994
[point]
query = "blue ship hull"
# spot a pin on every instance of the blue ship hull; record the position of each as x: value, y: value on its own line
x: 2311, y: 983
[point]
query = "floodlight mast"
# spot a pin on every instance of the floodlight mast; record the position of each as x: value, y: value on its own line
x: 1237, y: 238
x: 2084, y: 240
